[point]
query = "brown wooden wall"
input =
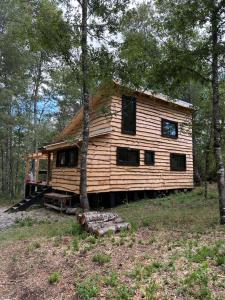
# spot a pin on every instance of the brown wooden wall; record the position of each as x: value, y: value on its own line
x: 103, y: 173
x: 67, y: 179
x: 148, y: 137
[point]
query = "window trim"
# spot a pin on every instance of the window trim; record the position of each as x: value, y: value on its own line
x: 145, y: 158
x: 167, y: 135
x: 66, y: 150
x: 123, y: 130
x: 185, y: 162
x: 119, y: 163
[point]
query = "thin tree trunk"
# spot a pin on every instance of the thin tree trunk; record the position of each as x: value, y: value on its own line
x: 217, y: 116
x: 35, y: 99
x: 86, y: 108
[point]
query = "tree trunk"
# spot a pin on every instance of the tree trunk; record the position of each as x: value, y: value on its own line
x: 217, y: 126
x: 37, y: 84
x: 86, y: 108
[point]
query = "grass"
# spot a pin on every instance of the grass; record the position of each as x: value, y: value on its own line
x: 178, y: 252
x: 32, y: 230
x: 5, y: 200
x: 54, y: 277
x: 101, y: 258
x: 178, y: 211
x: 87, y: 289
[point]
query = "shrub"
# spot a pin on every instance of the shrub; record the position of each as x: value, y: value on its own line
x: 54, y: 277
x: 101, y: 258
x: 87, y: 289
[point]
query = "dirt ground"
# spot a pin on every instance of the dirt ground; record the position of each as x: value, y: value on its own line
x: 25, y: 268
x: 8, y: 219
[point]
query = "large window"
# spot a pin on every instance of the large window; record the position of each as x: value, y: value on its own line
x: 149, y: 158
x: 128, y: 157
x: 169, y: 129
x: 177, y: 162
x: 67, y: 158
x: 128, y: 115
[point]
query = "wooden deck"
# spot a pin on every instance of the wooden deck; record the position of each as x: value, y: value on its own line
x: 57, y: 201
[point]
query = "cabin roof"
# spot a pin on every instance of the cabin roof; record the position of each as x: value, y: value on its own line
x: 77, y: 119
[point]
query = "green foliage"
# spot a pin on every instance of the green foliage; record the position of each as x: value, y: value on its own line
x: 180, y: 210
x: 111, y: 279
x: 91, y: 239
x: 101, y: 258
x: 54, y: 277
x: 205, y: 253
x: 75, y: 244
x: 196, y: 283
x: 123, y: 292
x: 150, y: 291
x: 87, y: 289
x: 28, y: 221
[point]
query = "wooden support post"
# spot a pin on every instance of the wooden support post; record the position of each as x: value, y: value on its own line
x: 146, y: 195
x: 135, y: 196
x: 112, y: 199
x: 36, y: 169
x: 49, y: 168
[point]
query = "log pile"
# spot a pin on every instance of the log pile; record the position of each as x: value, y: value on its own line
x: 99, y: 223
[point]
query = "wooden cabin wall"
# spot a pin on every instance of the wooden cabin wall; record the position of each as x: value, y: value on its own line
x: 148, y: 137
x: 103, y: 173
x: 98, y: 120
x: 68, y: 179
x: 65, y: 179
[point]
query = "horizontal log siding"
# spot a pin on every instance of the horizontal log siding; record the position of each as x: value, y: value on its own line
x: 97, y: 120
x: 148, y: 137
x: 68, y: 179
x: 103, y: 173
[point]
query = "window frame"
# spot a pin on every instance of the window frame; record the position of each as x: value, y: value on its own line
x: 66, y: 151
x: 167, y: 135
x: 179, y: 155
x: 145, y: 158
x: 126, y: 163
x: 124, y: 104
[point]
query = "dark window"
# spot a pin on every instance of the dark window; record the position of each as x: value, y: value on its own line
x: 149, y: 158
x: 169, y: 129
x: 128, y: 115
x: 67, y: 158
x: 177, y: 162
x: 128, y: 157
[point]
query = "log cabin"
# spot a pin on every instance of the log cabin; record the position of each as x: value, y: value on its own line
x: 140, y: 141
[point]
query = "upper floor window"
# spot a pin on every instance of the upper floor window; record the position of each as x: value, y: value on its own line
x: 177, y: 162
x: 128, y: 115
x: 67, y: 158
x: 149, y: 158
x: 169, y: 129
x: 128, y: 157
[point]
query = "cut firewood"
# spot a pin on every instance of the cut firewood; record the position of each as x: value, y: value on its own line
x: 97, y: 216
x: 99, y: 223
